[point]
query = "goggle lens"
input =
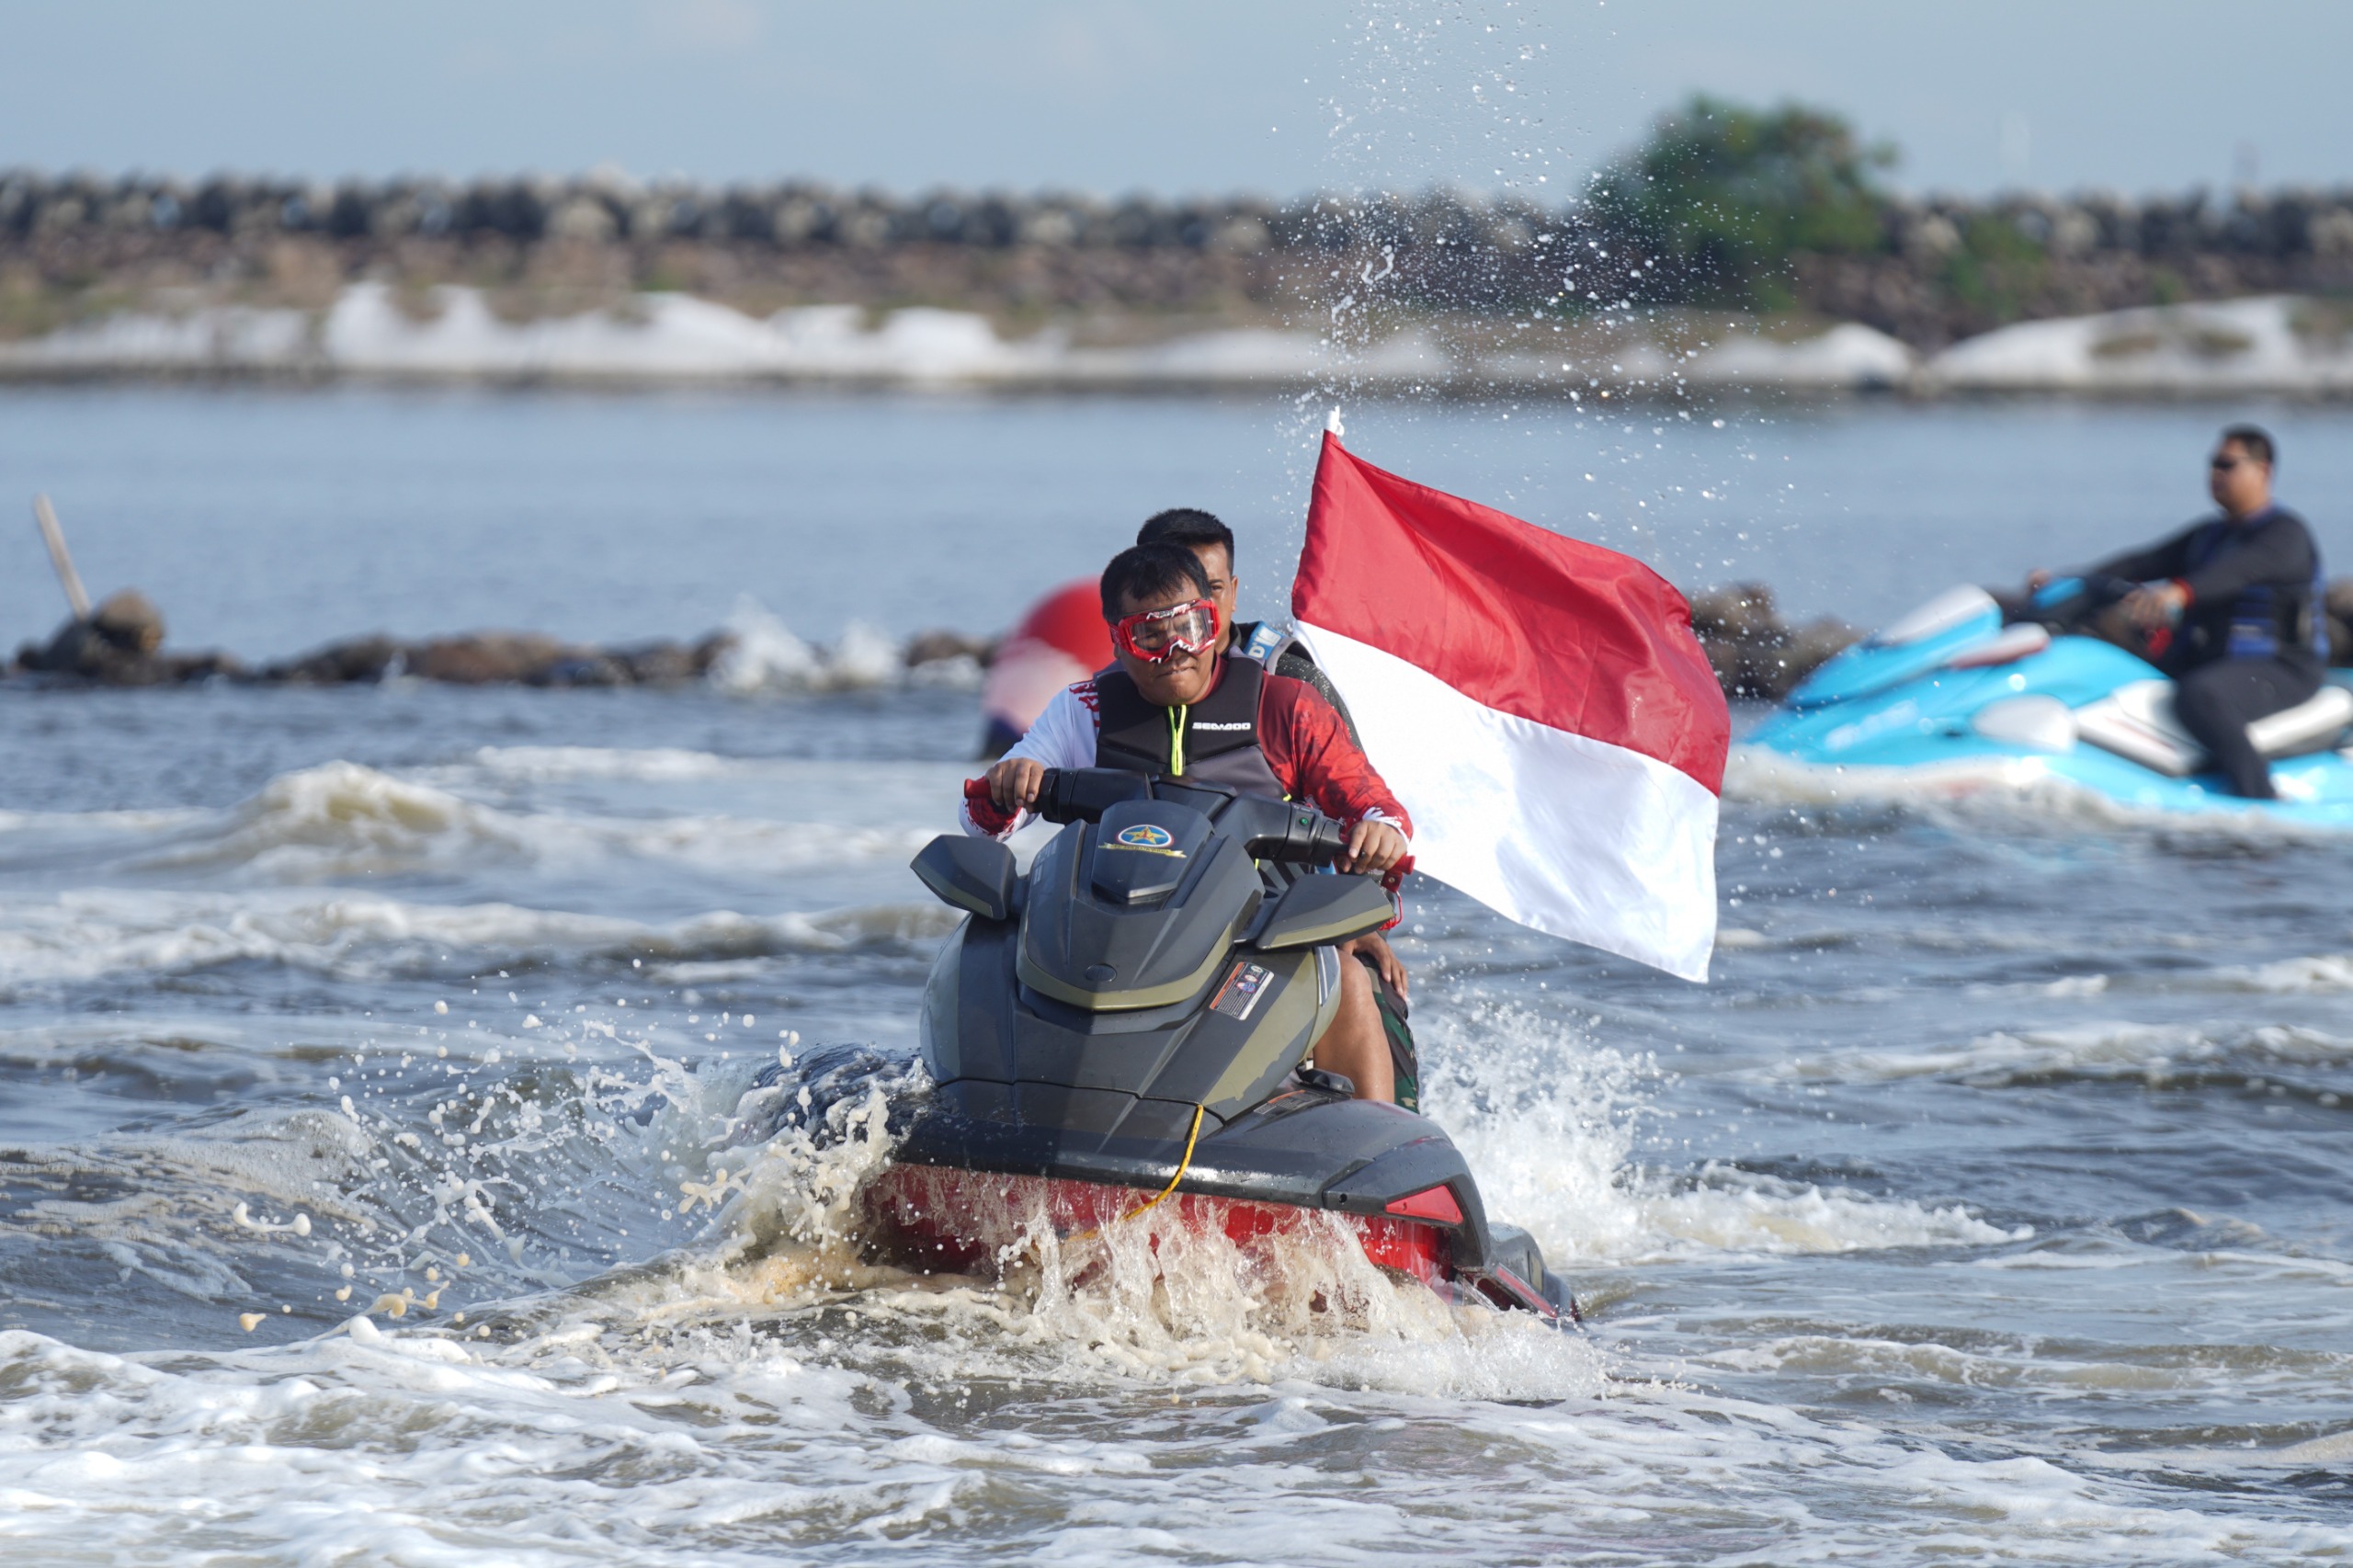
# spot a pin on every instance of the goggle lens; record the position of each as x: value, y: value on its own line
x: 1157, y: 634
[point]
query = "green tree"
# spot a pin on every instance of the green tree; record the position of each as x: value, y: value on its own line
x: 1723, y: 195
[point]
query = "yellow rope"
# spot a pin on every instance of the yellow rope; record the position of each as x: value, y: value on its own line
x: 1182, y: 1167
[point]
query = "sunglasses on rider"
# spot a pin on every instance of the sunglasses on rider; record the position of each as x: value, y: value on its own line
x: 2222, y: 464
x: 1156, y: 636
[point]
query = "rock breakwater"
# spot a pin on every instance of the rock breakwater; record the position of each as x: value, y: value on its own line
x: 78, y: 247
x: 1756, y: 654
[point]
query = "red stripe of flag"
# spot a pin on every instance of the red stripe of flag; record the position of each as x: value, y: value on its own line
x: 1516, y: 619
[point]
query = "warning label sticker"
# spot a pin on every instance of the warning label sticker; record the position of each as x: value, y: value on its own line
x: 1242, y: 990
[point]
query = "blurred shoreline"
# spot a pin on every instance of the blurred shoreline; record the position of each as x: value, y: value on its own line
x: 606, y: 280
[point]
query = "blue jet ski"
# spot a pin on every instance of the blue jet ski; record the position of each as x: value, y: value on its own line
x: 1960, y: 696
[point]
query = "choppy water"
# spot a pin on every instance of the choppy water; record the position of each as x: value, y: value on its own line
x: 1990, y: 1203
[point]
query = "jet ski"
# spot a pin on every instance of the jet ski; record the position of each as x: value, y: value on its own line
x: 1119, y: 1036
x: 1966, y: 694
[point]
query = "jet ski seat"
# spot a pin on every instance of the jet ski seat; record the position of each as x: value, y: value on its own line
x: 2136, y: 721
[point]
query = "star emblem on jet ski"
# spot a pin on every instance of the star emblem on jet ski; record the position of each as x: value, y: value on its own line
x: 1148, y: 837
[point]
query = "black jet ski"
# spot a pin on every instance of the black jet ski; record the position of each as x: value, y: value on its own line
x: 1126, y: 1029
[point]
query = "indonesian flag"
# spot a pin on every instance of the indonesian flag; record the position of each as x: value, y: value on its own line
x: 1539, y: 706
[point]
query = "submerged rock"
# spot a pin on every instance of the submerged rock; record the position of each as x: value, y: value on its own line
x: 361, y: 659
x: 939, y: 647
x: 486, y: 658
x: 490, y: 658
x: 128, y: 619
x: 120, y: 644
x: 1754, y: 653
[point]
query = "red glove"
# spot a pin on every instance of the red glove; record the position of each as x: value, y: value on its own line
x: 987, y: 816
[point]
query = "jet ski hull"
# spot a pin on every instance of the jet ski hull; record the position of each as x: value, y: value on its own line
x: 1129, y: 1023
x: 970, y: 1172
x: 960, y: 1221
x: 1958, y: 713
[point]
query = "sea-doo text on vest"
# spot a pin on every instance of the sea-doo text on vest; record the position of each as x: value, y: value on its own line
x: 1215, y: 741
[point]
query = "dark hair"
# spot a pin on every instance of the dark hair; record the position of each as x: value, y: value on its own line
x: 2255, y: 440
x: 1189, y: 527
x: 1148, y: 570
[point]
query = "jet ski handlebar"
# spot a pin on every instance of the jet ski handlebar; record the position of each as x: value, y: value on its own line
x: 1306, y: 837
x: 1270, y: 830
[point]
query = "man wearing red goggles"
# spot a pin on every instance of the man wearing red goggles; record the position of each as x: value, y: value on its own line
x: 1156, y: 636
x: 1175, y: 704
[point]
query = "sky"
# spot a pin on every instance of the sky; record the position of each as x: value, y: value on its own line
x: 1275, y: 96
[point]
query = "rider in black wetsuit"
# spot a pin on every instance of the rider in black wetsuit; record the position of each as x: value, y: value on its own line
x: 1213, y: 543
x: 2232, y: 606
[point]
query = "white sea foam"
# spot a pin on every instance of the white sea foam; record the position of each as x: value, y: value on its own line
x: 1553, y: 1123
x: 1758, y: 776
x: 2324, y: 973
x: 767, y: 656
x: 340, y: 819
x: 1868, y: 1362
x: 657, y: 765
x: 2003, y: 793
x: 85, y: 935
x: 595, y: 1442
x: 764, y: 1392
x: 1729, y: 1210
x: 2096, y: 1049
x: 55, y: 822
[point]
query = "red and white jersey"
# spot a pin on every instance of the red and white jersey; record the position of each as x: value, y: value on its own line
x: 1305, y: 744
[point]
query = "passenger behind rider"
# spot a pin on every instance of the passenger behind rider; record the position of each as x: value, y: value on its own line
x: 1211, y: 543
x: 1170, y: 643
x: 2230, y: 607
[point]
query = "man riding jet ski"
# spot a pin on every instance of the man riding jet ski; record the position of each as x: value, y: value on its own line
x: 1282, y: 654
x: 1177, y: 705
x: 1155, y: 1016
x: 2052, y: 685
x: 2230, y: 608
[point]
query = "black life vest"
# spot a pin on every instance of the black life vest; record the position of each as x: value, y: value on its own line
x: 2264, y: 618
x: 1215, y: 741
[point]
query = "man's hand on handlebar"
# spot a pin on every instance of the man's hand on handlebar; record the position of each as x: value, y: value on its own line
x: 2155, y: 605
x: 2038, y: 578
x: 1373, y: 847
x: 1015, y: 783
